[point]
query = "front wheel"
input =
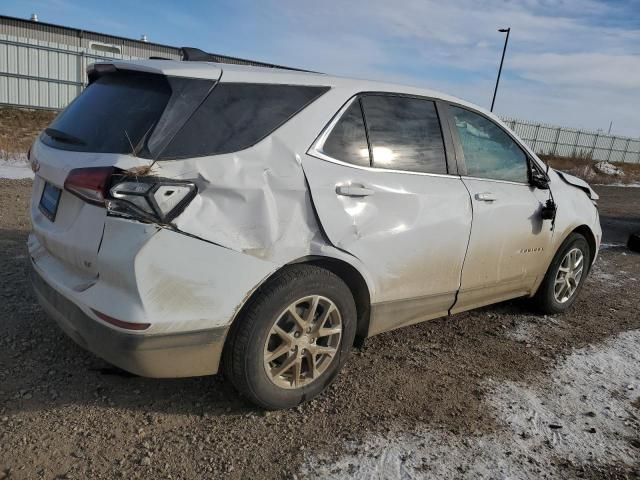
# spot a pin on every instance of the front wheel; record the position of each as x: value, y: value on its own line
x: 292, y: 338
x: 565, y: 277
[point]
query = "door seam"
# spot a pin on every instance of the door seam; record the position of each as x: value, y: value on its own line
x: 466, y: 251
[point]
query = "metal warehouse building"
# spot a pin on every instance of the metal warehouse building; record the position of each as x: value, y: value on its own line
x: 44, y: 65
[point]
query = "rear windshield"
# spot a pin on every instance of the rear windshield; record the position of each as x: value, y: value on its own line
x: 162, y: 117
x: 111, y: 115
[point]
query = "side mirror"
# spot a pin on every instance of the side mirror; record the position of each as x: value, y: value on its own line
x: 539, y: 179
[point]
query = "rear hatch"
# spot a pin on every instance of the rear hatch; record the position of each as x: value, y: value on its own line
x: 123, y: 120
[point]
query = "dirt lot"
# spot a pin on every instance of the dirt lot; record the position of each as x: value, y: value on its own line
x: 498, y: 392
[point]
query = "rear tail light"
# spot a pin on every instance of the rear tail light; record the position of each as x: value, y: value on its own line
x: 143, y: 198
x: 90, y: 184
x: 152, y: 199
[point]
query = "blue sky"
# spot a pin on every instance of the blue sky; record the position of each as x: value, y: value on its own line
x: 570, y: 62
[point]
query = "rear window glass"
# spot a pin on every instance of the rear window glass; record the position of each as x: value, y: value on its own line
x: 162, y: 117
x: 235, y: 116
x: 111, y: 115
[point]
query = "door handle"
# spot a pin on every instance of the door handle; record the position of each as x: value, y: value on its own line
x: 486, y: 197
x: 353, y: 190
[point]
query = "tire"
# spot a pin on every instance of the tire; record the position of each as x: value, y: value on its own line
x: 546, y: 300
x: 254, y: 339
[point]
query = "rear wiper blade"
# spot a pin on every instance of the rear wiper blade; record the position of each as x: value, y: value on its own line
x: 63, y: 137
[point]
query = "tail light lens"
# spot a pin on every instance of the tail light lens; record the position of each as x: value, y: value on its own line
x: 143, y: 198
x: 90, y: 184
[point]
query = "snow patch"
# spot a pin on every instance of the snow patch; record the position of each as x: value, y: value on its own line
x: 15, y: 167
x: 607, y: 168
x: 526, y: 330
x: 618, y: 184
x: 580, y: 413
x: 606, y: 279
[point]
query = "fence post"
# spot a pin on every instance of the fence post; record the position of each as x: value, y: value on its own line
x: 613, y: 139
x: 555, y: 143
x: 593, y: 147
x: 626, y: 149
x: 575, y: 143
x: 535, y: 139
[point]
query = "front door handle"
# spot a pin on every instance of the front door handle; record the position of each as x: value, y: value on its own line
x: 486, y: 197
x: 353, y: 190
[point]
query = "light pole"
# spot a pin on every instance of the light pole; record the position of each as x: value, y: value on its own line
x: 504, y: 50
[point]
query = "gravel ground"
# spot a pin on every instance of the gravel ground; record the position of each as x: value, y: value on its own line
x: 495, y: 392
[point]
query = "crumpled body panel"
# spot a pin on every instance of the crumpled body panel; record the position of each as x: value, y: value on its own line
x: 249, y: 204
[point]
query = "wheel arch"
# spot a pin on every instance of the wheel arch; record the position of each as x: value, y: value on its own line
x: 356, y: 283
x: 345, y: 271
x: 588, y: 234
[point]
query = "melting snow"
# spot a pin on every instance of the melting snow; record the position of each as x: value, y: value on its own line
x: 15, y: 168
x: 581, y: 412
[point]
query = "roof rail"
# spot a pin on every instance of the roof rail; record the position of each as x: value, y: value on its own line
x: 190, y: 54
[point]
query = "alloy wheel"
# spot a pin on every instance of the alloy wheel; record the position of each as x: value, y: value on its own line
x: 569, y: 275
x: 303, y: 342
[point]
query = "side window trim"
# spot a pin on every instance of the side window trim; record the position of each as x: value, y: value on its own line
x: 366, y: 129
x: 452, y: 165
x: 450, y: 151
x: 462, y: 167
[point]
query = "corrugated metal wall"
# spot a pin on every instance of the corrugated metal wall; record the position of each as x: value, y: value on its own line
x: 44, y: 66
x: 568, y: 142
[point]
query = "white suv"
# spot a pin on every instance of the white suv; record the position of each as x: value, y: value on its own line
x: 192, y: 217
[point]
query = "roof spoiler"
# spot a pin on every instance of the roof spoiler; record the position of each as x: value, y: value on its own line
x: 190, y: 54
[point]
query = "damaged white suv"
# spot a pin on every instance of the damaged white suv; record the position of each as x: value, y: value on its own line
x: 192, y: 217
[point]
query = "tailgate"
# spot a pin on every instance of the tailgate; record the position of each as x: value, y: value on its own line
x: 73, y: 236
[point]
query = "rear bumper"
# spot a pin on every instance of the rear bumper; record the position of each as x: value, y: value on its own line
x: 161, y: 355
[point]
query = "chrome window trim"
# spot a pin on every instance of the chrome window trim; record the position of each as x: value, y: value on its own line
x: 327, y: 158
x: 316, y: 148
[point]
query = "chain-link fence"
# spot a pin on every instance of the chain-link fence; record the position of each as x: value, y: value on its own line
x: 568, y: 142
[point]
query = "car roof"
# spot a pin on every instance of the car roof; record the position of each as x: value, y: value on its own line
x: 247, y: 73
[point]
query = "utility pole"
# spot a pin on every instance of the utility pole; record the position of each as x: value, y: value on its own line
x: 504, y: 50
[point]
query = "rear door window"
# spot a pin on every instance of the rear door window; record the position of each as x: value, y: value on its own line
x: 348, y: 138
x: 404, y: 133
x: 489, y: 152
x: 235, y: 116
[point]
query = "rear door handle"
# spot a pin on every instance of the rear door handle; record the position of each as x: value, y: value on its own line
x: 353, y: 190
x: 486, y: 197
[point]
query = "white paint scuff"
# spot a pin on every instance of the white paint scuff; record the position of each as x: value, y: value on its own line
x: 581, y: 412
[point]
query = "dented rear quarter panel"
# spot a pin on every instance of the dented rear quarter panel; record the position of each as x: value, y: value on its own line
x: 263, y: 209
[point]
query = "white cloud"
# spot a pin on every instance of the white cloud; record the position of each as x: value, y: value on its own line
x: 579, y: 69
x: 566, y: 57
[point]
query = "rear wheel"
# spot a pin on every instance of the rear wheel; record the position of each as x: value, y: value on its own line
x: 565, y: 277
x: 292, y: 338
